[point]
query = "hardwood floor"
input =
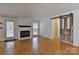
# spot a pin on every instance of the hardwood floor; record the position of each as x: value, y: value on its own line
x: 41, y: 46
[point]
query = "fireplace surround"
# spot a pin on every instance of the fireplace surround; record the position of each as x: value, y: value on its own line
x: 24, y: 31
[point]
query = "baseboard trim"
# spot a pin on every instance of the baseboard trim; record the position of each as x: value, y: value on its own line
x: 45, y: 37
x: 24, y: 38
x: 70, y: 44
x: 10, y: 40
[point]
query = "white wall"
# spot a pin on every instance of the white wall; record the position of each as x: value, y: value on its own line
x: 46, y: 27
x: 76, y: 27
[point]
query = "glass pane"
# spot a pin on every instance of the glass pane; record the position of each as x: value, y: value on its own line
x: 35, y: 32
x: 62, y: 23
x: 68, y: 23
x: 35, y: 25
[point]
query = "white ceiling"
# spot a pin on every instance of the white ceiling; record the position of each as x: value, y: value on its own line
x: 35, y: 10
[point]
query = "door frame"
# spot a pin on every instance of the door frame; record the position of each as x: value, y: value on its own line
x: 6, y: 29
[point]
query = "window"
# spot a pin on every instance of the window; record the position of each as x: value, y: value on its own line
x: 35, y: 25
x: 10, y: 29
x: 35, y: 28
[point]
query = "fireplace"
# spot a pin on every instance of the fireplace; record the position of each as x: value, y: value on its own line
x: 24, y: 34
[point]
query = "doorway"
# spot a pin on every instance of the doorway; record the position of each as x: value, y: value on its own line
x: 9, y: 30
x: 56, y: 28
x: 56, y: 34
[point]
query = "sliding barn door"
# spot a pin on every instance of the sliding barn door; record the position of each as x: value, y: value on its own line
x: 66, y: 28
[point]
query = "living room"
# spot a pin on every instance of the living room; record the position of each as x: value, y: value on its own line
x: 30, y: 29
